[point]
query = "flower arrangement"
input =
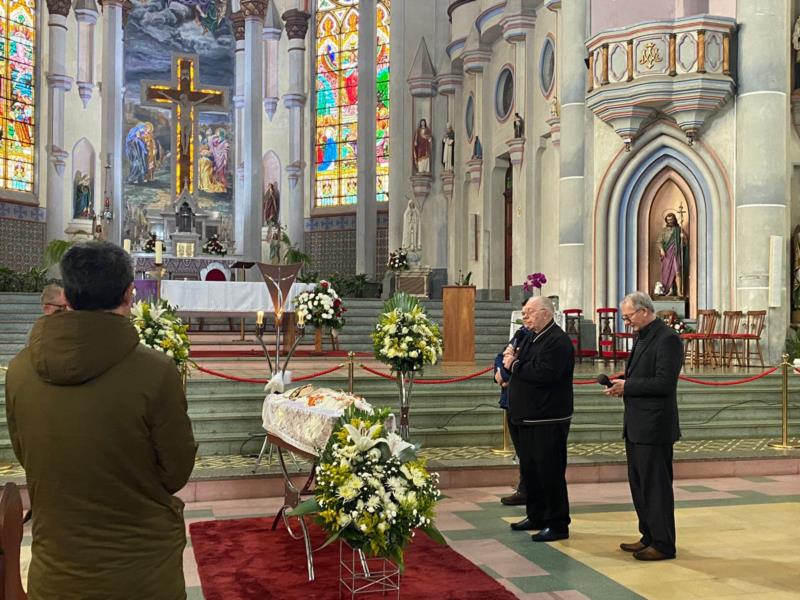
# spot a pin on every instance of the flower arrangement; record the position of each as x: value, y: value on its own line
x: 404, y: 337
x: 321, y: 307
x: 398, y: 260
x: 160, y: 328
x: 371, y: 489
x: 214, y: 246
x: 534, y: 280
x: 150, y: 244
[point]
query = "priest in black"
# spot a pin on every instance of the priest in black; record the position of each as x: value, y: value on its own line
x: 650, y: 427
x: 540, y: 408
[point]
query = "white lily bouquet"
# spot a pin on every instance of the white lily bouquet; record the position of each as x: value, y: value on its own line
x: 404, y: 337
x: 371, y: 489
x: 159, y: 327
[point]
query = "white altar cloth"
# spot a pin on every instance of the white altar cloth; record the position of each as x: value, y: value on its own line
x: 228, y: 297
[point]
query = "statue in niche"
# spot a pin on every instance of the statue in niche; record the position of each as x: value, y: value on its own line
x: 796, y: 48
x: 185, y: 218
x: 423, y: 142
x: 448, y: 148
x: 275, y: 238
x: 673, y: 246
x: 271, y: 203
x: 412, y: 240
x: 555, y: 112
x: 82, y: 202
x: 519, y: 126
x: 477, y: 149
x: 796, y: 270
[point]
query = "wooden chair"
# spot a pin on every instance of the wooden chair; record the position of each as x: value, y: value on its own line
x: 572, y: 327
x: 727, y: 345
x: 10, y: 542
x: 699, y: 347
x: 753, y: 328
x: 217, y: 271
x: 608, y: 337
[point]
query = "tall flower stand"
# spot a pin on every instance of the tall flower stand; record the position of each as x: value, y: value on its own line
x: 405, y: 380
x: 360, y: 575
x: 318, y: 340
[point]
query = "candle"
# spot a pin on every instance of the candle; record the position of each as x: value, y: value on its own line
x: 126, y: 245
x: 158, y: 252
x: 260, y: 317
x: 301, y: 319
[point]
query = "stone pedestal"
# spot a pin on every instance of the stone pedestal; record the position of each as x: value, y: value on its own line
x: 516, y: 150
x: 414, y: 281
x: 474, y: 168
x: 185, y: 244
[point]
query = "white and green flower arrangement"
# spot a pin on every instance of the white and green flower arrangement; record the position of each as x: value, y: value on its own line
x: 404, y: 337
x: 320, y: 306
x: 160, y: 328
x: 371, y: 489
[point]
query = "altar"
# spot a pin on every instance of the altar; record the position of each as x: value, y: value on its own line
x: 179, y: 268
x: 228, y: 298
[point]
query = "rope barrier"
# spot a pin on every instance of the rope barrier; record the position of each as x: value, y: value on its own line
x: 429, y: 381
x: 734, y: 382
x: 264, y: 381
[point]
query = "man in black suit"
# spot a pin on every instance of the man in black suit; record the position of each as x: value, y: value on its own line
x: 650, y: 427
x: 540, y: 408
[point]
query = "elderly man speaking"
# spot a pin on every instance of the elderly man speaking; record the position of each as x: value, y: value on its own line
x: 540, y: 407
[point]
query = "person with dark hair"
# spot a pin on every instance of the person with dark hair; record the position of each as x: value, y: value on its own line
x: 99, y: 422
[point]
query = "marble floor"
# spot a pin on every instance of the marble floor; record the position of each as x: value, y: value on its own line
x: 737, y: 539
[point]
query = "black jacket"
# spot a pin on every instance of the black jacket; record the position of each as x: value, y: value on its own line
x: 541, y: 378
x: 651, y: 383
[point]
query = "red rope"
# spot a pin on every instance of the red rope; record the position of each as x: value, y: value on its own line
x: 430, y: 381
x: 734, y: 382
x: 584, y: 381
x: 264, y: 381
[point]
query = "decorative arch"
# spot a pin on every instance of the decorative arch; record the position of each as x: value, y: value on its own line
x: 622, y: 194
x: 272, y: 170
x: 84, y: 180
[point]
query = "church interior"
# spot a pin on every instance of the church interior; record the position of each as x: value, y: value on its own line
x: 466, y: 153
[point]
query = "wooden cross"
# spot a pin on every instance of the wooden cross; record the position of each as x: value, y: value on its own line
x: 185, y: 101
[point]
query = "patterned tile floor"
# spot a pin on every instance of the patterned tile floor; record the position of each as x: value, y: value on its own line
x: 736, y: 540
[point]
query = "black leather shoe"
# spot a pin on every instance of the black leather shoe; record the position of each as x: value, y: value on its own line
x: 515, y: 499
x: 548, y: 534
x: 526, y: 525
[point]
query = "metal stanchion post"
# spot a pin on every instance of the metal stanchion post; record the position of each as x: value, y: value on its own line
x: 351, y: 367
x: 507, y: 449
x: 784, y: 443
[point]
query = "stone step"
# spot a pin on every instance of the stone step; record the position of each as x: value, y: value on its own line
x: 18, y: 298
x: 13, y: 338
x: 15, y: 327
x: 20, y: 308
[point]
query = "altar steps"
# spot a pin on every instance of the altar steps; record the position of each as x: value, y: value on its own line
x: 18, y: 312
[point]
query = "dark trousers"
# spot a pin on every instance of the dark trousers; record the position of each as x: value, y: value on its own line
x: 543, y: 460
x: 513, y: 430
x: 650, y: 479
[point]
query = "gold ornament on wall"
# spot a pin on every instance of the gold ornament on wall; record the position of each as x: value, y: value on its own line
x: 650, y: 55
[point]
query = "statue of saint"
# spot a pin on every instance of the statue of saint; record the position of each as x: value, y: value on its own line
x: 519, y: 126
x: 412, y: 240
x: 555, y: 111
x: 82, y: 203
x: 477, y: 149
x: 672, y: 246
x: 271, y: 204
x: 448, y: 148
x: 185, y: 218
x: 796, y: 269
x: 422, y: 147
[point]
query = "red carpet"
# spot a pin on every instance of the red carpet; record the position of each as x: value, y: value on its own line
x: 258, y: 353
x: 243, y: 559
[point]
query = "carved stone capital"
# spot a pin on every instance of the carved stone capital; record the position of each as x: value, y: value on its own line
x: 59, y: 7
x: 127, y: 7
x: 296, y: 23
x: 254, y: 8
x: 237, y: 21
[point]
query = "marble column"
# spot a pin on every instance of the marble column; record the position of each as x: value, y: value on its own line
x: 251, y: 125
x: 58, y: 84
x: 272, y: 35
x: 571, y: 189
x: 367, y: 207
x: 86, y: 15
x: 111, y: 95
x: 240, y: 211
x: 292, y: 212
x: 762, y: 160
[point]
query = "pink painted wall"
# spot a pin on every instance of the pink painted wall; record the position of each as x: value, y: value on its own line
x: 610, y: 14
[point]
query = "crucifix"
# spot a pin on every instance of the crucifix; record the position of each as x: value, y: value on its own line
x: 186, y: 102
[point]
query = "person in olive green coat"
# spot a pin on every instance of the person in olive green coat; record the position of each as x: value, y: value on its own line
x: 99, y: 423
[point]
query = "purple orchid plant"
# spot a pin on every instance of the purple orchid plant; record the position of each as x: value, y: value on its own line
x: 534, y: 280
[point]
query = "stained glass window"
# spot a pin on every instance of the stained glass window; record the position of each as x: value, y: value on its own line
x: 383, y: 19
x: 336, y: 85
x: 17, y: 40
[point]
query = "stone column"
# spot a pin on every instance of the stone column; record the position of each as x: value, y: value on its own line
x: 272, y: 35
x: 251, y: 125
x: 111, y: 112
x: 58, y: 84
x: 450, y: 85
x: 571, y: 189
x: 762, y: 160
x: 86, y: 15
x: 292, y: 212
x: 240, y: 211
x: 367, y: 207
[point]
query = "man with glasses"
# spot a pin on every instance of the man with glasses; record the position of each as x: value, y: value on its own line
x: 53, y: 300
x: 540, y: 408
x: 650, y: 427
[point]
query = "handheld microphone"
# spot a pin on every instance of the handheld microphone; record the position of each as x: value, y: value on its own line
x: 604, y: 380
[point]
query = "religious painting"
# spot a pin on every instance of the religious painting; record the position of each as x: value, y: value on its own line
x: 17, y: 51
x: 155, y: 33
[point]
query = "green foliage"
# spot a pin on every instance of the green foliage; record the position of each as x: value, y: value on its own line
x: 400, y: 301
x: 55, y: 251
x: 31, y: 281
x: 308, y: 276
x: 464, y: 279
x: 293, y: 254
x: 793, y: 343
x: 349, y: 286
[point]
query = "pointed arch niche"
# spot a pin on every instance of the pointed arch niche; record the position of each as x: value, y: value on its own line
x: 83, y: 165
x: 635, y: 190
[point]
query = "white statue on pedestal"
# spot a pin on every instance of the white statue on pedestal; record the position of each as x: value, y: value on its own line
x: 411, y: 227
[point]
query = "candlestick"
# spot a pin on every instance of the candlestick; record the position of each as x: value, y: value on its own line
x: 301, y: 319
x: 158, y: 252
x: 260, y: 317
x: 126, y: 245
